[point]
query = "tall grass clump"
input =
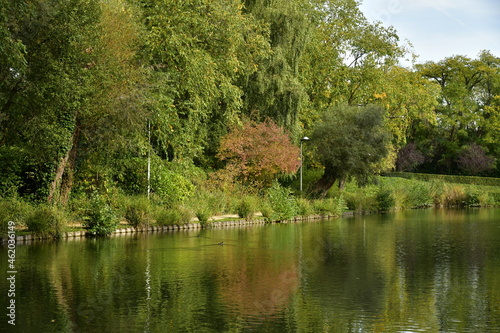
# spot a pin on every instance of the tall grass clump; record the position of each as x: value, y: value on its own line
x: 361, y: 202
x: 178, y: 215
x: 330, y: 206
x: 206, y: 204
x: 246, y: 207
x: 418, y: 195
x: 47, y: 221
x: 448, y: 195
x: 139, y: 212
x: 203, y: 213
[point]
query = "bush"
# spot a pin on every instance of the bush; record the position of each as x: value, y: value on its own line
x: 304, y: 207
x: 473, y: 160
x: 385, y: 200
x: 174, y: 216
x: 246, y: 208
x: 46, y: 221
x: 267, y: 211
x: 170, y: 187
x: 256, y: 152
x: 409, y: 157
x: 205, y: 204
x: 99, y: 218
x: 138, y: 212
x: 13, y: 210
x: 330, y: 206
x: 167, y: 217
x: 360, y: 202
x: 418, y: 195
x: 476, y: 198
x: 283, y: 205
x: 203, y: 213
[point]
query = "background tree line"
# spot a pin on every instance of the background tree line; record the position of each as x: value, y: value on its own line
x: 89, y: 89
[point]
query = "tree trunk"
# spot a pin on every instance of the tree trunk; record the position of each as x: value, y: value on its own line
x: 324, y: 184
x: 67, y: 181
x: 56, y: 183
x: 62, y: 184
x: 342, y: 183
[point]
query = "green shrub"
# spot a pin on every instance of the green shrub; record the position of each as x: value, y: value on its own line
x: 218, y: 202
x: 178, y: 215
x: 283, y: 205
x: 304, y: 207
x: 267, y: 211
x: 476, y: 198
x: 385, y: 200
x: 99, y: 218
x: 246, y: 208
x: 13, y: 210
x: 206, y: 204
x: 138, y: 212
x: 46, y: 221
x: 203, y: 213
x: 170, y: 187
x: 360, y: 202
x: 418, y: 195
x: 495, y: 198
x: 167, y: 217
x: 330, y: 206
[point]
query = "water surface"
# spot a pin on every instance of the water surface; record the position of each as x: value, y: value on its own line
x: 412, y: 271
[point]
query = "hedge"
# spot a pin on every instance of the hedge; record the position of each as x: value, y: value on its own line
x: 472, y: 180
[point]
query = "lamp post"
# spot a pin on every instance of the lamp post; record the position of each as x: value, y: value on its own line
x: 301, y: 160
x: 149, y: 158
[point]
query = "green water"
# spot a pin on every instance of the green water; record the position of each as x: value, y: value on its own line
x: 414, y: 271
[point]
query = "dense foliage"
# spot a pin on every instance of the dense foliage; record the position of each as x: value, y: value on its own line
x: 145, y: 96
x: 350, y: 141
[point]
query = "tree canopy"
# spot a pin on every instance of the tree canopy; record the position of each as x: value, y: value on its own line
x: 349, y: 141
x: 90, y: 90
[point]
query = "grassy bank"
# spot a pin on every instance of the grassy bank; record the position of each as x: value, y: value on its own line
x: 102, y: 214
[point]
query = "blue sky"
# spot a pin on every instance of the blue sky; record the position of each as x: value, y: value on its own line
x: 441, y: 28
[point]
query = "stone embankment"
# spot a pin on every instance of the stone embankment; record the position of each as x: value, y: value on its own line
x: 172, y: 228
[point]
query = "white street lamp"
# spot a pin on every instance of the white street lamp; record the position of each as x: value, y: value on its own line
x: 301, y: 160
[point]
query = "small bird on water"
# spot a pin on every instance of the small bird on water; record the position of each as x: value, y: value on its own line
x: 221, y: 243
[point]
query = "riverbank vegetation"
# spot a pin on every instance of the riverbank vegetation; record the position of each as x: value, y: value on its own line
x: 155, y: 112
x: 102, y: 214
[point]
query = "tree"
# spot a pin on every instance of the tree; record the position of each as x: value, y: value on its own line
x: 466, y: 109
x: 76, y: 102
x: 256, y: 153
x: 347, y: 55
x: 409, y: 157
x: 275, y: 90
x: 473, y: 160
x: 196, y: 51
x: 349, y: 141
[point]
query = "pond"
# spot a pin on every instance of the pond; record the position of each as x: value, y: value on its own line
x: 409, y: 271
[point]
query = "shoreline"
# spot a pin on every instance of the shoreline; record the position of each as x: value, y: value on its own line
x: 26, y: 239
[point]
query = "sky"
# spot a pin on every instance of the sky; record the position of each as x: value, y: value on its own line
x: 438, y: 29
